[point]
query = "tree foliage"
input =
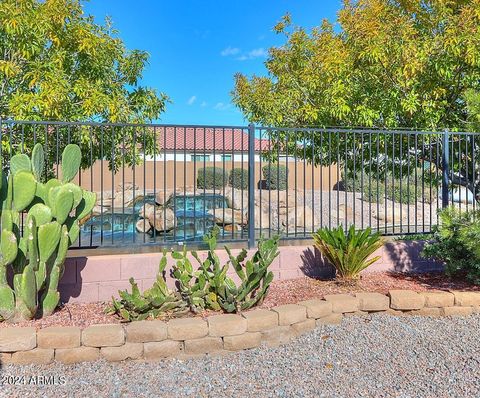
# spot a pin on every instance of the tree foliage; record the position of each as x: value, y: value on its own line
x: 56, y: 63
x: 388, y: 63
x: 385, y: 64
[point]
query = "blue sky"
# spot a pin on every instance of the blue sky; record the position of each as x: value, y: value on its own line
x: 196, y: 47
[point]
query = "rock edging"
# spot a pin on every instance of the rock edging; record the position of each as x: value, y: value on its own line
x: 154, y: 340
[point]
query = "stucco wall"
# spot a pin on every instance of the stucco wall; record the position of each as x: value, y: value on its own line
x: 97, y: 278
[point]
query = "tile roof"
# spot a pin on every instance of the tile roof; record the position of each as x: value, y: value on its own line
x: 203, y: 139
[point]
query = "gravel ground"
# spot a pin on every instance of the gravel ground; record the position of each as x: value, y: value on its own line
x: 381, y: 356
x: 329, y: 208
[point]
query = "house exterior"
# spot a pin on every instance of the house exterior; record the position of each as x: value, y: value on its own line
x: 201, y: 144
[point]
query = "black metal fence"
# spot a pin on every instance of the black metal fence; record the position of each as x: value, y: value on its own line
x: 169, y: 184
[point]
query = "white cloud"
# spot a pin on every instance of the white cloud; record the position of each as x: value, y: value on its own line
x: 258, y: 52
x: 220, y: 106
x: 230, y: 51
x: 191, y: 100
x: 255, y: 53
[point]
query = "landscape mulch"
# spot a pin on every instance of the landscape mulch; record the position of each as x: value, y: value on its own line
x: 281, y: 292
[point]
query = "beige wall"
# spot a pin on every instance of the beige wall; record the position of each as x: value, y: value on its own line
x: 157, y: 175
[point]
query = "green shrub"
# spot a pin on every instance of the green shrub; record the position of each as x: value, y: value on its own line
x: 348, y: 253
x: 211, y: 178
x: 276, y: 176
x: 456, y: 243
x: 208, y: 287
x: 238, y: 178
x: 400, y: 191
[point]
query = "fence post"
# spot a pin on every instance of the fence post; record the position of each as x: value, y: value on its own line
x: 445, y: 168
x: 251, y: 186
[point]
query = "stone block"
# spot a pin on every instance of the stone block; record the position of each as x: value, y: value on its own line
x: 317, y: 308
x: 103, y: 336
x: 59, y: 337
x: 467, y: 299
x: 395, y: 312
x: 243, y: 341
x: 277, y: 335
x: 427, y: 311
x: 35, y: 356
x: 342, y: 303
x: 187, y: 328
x: 373, y: 301
x: 126, y: 351
x: 5, y: 358
x: 260, y: 320
x: 406, y: 300
x: 162, y: 349
x: 17, y: 339
x: 457, y: 311
x: 226, y: 325
x: 332, y: 319
x: 304, y: 326
x: 357, y: 313
x: 204, y: 345
x: 289, y: 314
x: 438, y: 299
x: 76, y: 355
x: 146, y: 331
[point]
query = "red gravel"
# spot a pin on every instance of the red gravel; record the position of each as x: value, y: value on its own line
x: 295, y: 290
x: 281, y: 292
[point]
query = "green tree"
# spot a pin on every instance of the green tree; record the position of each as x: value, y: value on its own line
x: 56, y: 63
x: 413, y: 64
x: 390, y: 63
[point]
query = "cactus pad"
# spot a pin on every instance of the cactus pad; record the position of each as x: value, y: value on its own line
x: 62, y: 204
x: 71, y: 159
x: 24, y: 188
x: 86, y: 205
x: 8, y: 247
x: 76, y: 191
x: 41, y: 212
x: 20, y: 162
x: 7, y: 220
x: 38, y: 161
x: 73, y: 229
x: 48, y: 238
x: 28, y: 292
x: 7, y: 302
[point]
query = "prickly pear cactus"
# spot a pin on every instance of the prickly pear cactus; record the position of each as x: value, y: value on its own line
x: 191, y: 284
x: 157, y: 302
x: 34, y: 251
x: 254, y: 275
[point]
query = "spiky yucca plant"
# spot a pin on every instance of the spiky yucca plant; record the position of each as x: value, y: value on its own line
x: 349, y: 253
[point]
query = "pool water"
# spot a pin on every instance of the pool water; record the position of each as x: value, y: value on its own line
x: 192, y: 220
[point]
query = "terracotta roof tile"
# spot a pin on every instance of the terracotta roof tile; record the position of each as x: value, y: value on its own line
x: 207, y: 139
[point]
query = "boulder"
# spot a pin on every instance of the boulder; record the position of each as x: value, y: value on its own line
x: 262, y: 218
x: 388, y: 216
x: 125, y: 198
x: 228, y: 216
x: 146, y: 210
x: 162, y: 219
x: 302, y: 218
x: 162, y: 196
x: 232, y: 228
x: 345, y: 211
x: 236, y: 198
x: 143, y: 226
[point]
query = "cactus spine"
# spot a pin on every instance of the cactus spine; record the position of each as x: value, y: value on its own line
x: 36, y: 257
